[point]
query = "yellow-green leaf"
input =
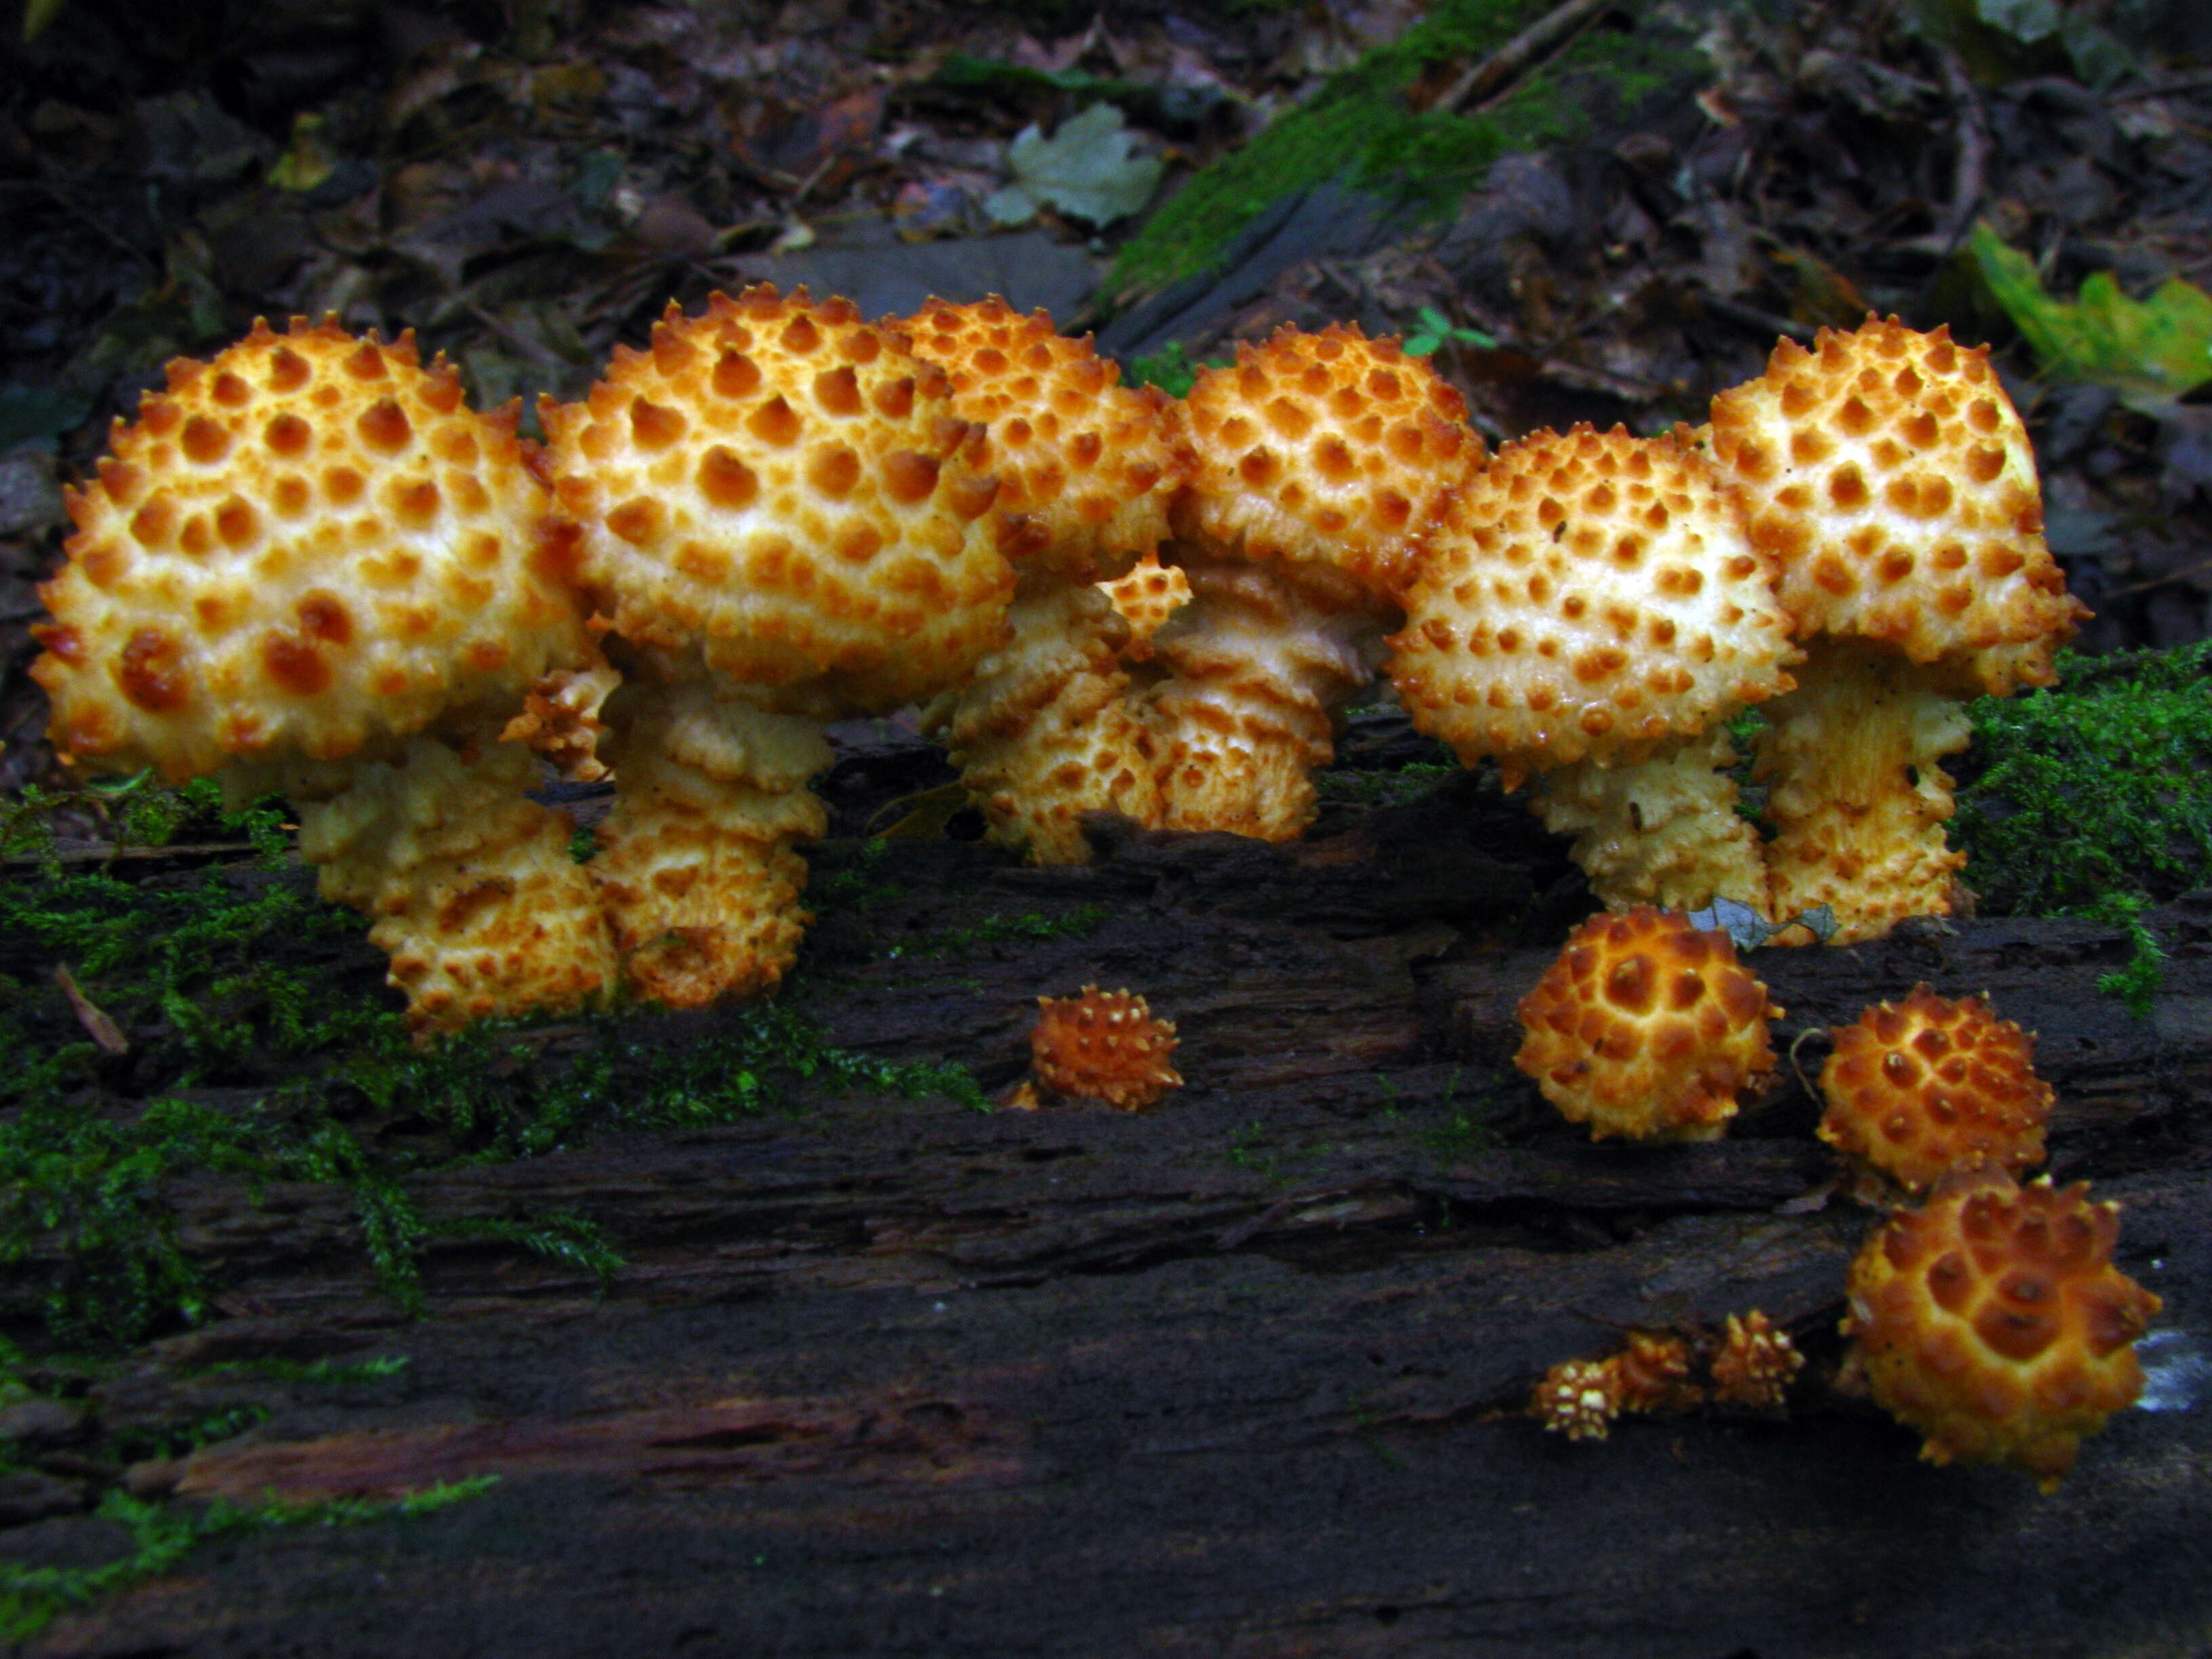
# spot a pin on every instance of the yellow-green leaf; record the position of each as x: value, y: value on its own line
x: 2153, y: 350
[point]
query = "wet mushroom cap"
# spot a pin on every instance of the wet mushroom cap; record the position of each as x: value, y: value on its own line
x: 1993, y: 1321
x: 1105, y: 1045
x: 307, y: 546
x: 1327, y: 450
x: 1932, y: 1083
x: 1588, y: 595
x: 784, y: 489
x: 1889, y: 473
x: 1646, y: 1027
x: 1085, y: 465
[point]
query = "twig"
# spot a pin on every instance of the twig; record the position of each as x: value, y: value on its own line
x: 1970, y: 165
x: 1751, y: 317
x: 1517, y: 55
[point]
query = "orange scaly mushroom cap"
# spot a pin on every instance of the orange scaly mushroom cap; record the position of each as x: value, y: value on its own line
x: 1929, y: 1085
x: 1994, y: 1322
x: 1086, y: 465
x: 1145, y: 596
x: 1646, y: 1027
x: 1588, y: 595
x: 1755, y: 1362
x: 1327, y: 451
x: 1104, y: 1045
x: 784, y: 489
x: 1887, y: 471
x: 308, y: 545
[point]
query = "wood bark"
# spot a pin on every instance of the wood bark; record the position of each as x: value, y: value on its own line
x: 1244, y: 1375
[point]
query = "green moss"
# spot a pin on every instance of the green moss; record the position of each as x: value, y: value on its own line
x: 1374, y: 787
x: 1360, y: 128
x: 2101, y: 786
x: 2095, y: 798
x: 1083, y: 920
x: 162, y: 1536
x: 240, y: 1068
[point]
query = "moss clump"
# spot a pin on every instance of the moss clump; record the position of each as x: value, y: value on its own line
x: 2099, y: 787
x: 1361, y: 127
x: 2094, y: 799
x: 263, y: 1048
x: 161, y: 1537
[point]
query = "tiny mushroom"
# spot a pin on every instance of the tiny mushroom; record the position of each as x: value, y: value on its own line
x: 309, y: 567
x: 1590, y: 610
x: 1047, y: 728
x: 1647, y: 1027
x: 1887, y: 473
x: 1319, y: 459
x: 781, y: 523
x: 1755, y: 1362
x: 1104, y: 1045
x: 1993, y: 1321
x: 1930, y: 1084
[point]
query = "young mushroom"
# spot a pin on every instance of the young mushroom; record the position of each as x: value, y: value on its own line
x: 309, y: 567
x: 1047, y: 728
x: 1104, y: 1045
x: 1646, y: 1027
x: 780, y: 521
x: 1887, y: 472
x: 1993, y: 1321
x: 1927, y: 1085
x: 1590, y: 610
x: 1319, y: 459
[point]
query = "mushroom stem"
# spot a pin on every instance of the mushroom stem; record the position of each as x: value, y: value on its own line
x: 1258, y: 669
x: 695, y: 865
x: 1047, y: 729
x: 1663, y: 831
x: 1856, y: 791
x: 476, y: 898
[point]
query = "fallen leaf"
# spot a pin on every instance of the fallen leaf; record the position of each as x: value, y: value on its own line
x: 2151, y: 350
x: 1087, y: 170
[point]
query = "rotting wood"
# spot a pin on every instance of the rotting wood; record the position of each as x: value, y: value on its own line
x: 1239, y: 1374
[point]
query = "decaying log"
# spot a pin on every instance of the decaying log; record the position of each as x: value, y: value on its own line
x: 1243, y: 1375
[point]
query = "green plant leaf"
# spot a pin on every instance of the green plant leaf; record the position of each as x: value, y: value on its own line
x: 2152, y: 350
x: 1086, y: 169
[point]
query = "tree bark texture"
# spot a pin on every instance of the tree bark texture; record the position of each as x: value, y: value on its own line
x: 1243, y: 1375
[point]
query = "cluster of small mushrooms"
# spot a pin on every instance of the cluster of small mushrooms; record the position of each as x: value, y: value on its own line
x: 1985, y: 1314
x: 310, y: 567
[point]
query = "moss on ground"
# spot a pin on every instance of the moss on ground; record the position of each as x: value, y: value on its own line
x: 2101, y: 787
x: 261, y: 1046
x: 1362, y: 128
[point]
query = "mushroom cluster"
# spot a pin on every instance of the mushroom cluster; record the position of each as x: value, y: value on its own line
x: 309, y: 560
x: 308, y: 566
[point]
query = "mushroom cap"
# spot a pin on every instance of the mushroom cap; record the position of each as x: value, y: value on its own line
x: 1145, y: 596
x: 1104, y: 1045
x: 1646, y: 1027
x: 307, y: 545
x: 1993, y: 1321
x: 1755, y: 1362
x: 1328, y: 451
x: 1931, y: 1083
x: 1086, y: 465
x: 784, y: 489
x: 1587, y: 596
x: 1887, y: 471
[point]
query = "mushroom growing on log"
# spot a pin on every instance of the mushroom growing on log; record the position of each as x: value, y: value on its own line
x: 308, y: 566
